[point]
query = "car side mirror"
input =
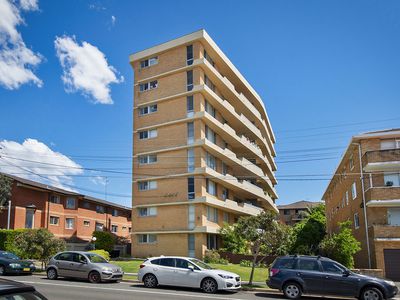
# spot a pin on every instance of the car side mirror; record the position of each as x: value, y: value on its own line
x: 191, y: 268
x: 346, y: 273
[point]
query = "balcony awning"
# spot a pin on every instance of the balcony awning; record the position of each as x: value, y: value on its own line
x: 382, y: 166
x: 384, y: 203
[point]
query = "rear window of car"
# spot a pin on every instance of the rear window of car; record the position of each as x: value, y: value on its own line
x: 64, y: 256
x: 308, y: 265
x: 284, y: 263
x: 167, y: 262
x: 155, y: 261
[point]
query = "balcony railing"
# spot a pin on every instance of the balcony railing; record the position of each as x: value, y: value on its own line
x: 381, y: 160
x: 384, y: 231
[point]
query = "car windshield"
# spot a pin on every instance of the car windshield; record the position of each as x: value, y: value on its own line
x: 200, y: 264
x: 9, y: 255
x: 94, y: 258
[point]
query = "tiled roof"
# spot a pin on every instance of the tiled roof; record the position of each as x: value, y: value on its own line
x: 299, y: 205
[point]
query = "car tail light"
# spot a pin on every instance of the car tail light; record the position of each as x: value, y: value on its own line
x: 273, y: 272
x: 142, y: 266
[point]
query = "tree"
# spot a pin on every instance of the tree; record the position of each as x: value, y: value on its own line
x: 308, y: 233
x: 38, y: 244
x: 264, y: 236
x: 232, y: 242
x: 105, y: 240
x: 5, y: 189
x: 341, y: 246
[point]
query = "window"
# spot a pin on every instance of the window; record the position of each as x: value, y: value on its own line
x: 351, y: 163
x: 356, y: 221
x: 347, y: 197
x: 69, y: 223
x: 148, y: 86
x: 189, y: 80
x: 331, y: 267
x: 211, y: 187
x: 130, y: 229
x: 54, y: 220
x: 189, y: 54
x: 191, y: 216
x: 191, y: 245
x: 147, y: 185
x: 100, y: 209
x: 70, y: 203
x: 209, y: 108
x: 147, y: 238
x: 208, y: 58
x: 124, y: 228
x: 210, y: 161
x: 388, y: 144
x: 86, y: 223
x: 149, y: 62
x: 114, y: 228
x: 391, y: 179
x: 85, y: 204
x: 308, y: 265
x: 29, y: 218
x: 191, y: 193
x: 225, y: 194
x: 147, y: 159
x: 148, y: 134
x: 212, y: 214
x: 208, y: 83
x: 190, y: 133
x: 167, y: 262
x: 190, y: 104
x: 66, y: 256
x: 224, y: 168
x: 145, y: 110
x: 353, y: 191
x: 226, y: 217
x: 114, y: 212
x: 55, y: 199
x: 211, y: 241
x: 284, y: 263
x: 147, y: 211
x: 210, y: 135
x: 286, y: 212
x: 393, y: 216
x: 190, y: 159
x: 99, y: 226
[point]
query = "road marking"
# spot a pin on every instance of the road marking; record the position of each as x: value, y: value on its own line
x: 130, y: 290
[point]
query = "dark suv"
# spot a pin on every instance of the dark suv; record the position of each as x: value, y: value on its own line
x: 295, y: 275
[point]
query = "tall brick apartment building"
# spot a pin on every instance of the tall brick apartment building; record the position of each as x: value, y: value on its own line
x: 203, y: 148
x: 66, y: 214
x: 367, y: 192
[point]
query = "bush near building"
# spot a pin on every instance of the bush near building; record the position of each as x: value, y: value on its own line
x: 105, y: 240
x: 7, y: 236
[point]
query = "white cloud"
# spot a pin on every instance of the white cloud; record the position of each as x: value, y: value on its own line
x: 85, y: 69
x: 16, y: 60
x: 99, y: 180
x: 113, y: 20
x: 33, y: 157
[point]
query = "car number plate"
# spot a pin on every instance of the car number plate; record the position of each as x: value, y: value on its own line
x: 26, y: 269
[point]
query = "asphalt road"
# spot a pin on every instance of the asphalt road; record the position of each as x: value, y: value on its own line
x: 77, y: 290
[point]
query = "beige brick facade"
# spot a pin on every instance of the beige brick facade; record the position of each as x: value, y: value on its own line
x: 186, y: 187
x: 380, y: 163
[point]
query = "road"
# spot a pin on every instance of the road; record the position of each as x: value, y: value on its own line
x: 74, y: 289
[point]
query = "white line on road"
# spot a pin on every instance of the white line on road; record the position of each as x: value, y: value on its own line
x: 133, y: 290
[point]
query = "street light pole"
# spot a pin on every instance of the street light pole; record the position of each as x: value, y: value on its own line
x: 9, y: 214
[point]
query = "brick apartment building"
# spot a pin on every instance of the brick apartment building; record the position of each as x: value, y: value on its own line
x: 203, y: 148
x: 367, y: 192
x: 66, y: 214
x: 292, y: 213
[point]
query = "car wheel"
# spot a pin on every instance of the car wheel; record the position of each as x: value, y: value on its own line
x: 150, y: 281
x: 52, y: 274
x: 209, y: 286
x: 94, y: 277
x: 2, y: 270
x: 292, y: 290
x: 371, y: 293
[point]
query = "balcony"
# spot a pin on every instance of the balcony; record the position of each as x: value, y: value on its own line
x: 241, y: 187
x: 230, y: 206
x: 384, y: 232
x: 247, y: 167
x: 382, y: 193
x: 381, y: 160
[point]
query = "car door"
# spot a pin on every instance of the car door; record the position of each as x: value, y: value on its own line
x: 309, y: 270
x: 80, y: 266
x: 165, y: 271
x: 186, y: 273
x: 336, y: 281
x: 64, y: 261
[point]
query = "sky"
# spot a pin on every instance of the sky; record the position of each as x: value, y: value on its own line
x: 326, y: 70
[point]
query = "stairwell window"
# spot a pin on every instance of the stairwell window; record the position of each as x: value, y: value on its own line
x: 211, y: 187
x: 356, y: 221
x: 147, y: 134
x: 190, y: 133
x: 189, y: 54
x: 353, y: 191
x: 145, y: 110
x: 190, y: 105
x: 191, y: 192
x: 147, y: 185
x: 149, y: 62
x: 189, y: 80
x: 347, y: 197
x: 147, y: 159
x: 143, y: 87
x: 190, y: 159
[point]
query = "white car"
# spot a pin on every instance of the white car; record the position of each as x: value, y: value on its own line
x: 186, y: 272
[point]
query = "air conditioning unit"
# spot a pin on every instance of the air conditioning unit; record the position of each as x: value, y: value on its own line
x: 389, y: 183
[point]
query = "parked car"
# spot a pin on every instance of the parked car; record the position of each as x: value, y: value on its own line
x: 85, y: 265
x: 186, y: 272
x: 12, y: 290
x: 295, y: 275
x: 12, y: 264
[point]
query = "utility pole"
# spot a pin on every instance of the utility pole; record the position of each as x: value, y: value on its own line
x: 9, y: 214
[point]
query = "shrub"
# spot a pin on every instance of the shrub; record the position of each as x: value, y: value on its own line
x: 246, y: 263
x: 102, y: 253
x: 7, y: 236
x: 213, y: 257
x: 104, y: 240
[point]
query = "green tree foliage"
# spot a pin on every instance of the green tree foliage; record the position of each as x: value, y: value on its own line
x: 38, y: 244
x: 341, y: 246
x: 7, y: 237
x: 308, y: 233
x: 104, y: 240
x: 232, y: 242
x: 5, y: 189
x: 102, y: 253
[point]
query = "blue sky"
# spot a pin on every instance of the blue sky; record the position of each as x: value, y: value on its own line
x: 316, y: 64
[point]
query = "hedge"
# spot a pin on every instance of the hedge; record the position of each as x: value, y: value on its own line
x: 7, y: 236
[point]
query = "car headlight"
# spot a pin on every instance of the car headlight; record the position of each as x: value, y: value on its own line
x: 225, y: 276
x: 105, y: 269
x: 14, y: 266
x: 389, y: 282
x: 32, y: 265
